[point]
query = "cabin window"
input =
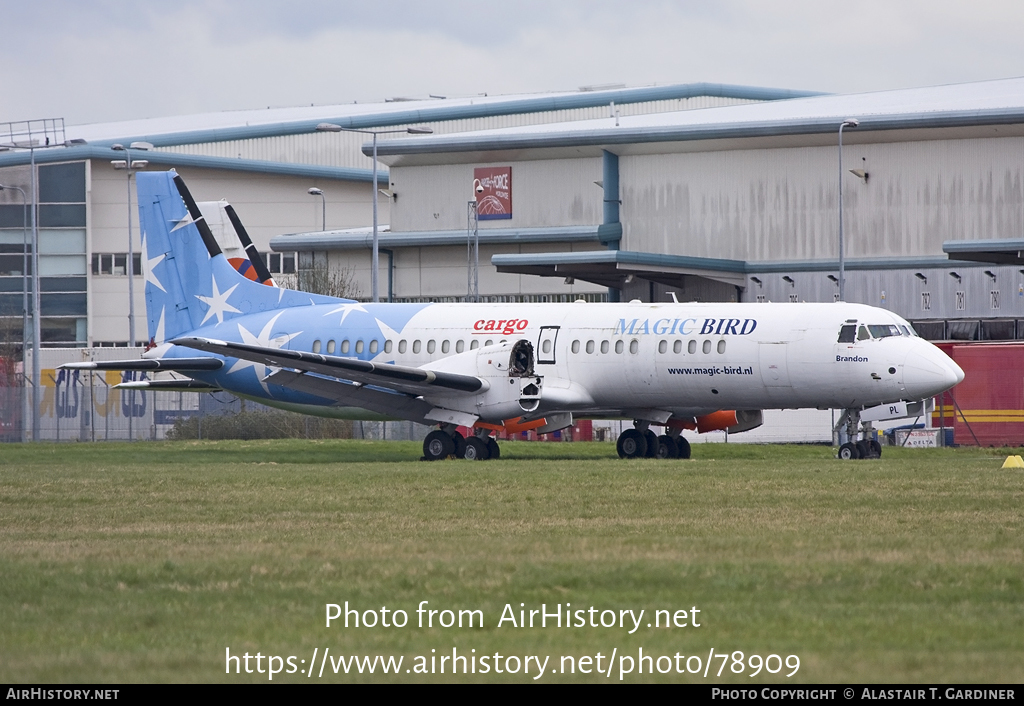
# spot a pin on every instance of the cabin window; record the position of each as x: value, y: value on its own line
x: 388, y: 346
x: 604, y: 346
x: 359, y: 346
x: 545, y: 347
x: 721, y: 346
x: 330, y: 346
x: 345, y: 347
x: 374, y: 346
x: 488, y: 343
x: 445, y: 346
x: 431, y: 346
x: 416, y: 346
x: 663, y: 346
x: 847, y: 334
x: 862, y: 333
x: 460, y: 346
x: 316, y: 346
x: 575, y: 346
x: 677, y: 347
x: 474, y: 344
x: 403, y: 345
x: 634, y: 346
x: 590, y: 347
x: 618, y: 346
x: 706, y: 347
x: 691, y: 347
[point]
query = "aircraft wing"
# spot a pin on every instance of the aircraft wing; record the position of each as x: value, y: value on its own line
x: 182, y: 365
x: 394, y: 404
x: 413, y: 381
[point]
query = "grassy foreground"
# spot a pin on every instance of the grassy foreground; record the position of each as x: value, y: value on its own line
x: 144, y: 562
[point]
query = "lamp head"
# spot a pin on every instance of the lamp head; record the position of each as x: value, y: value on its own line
x: 851, y: 122
x: 313, y: 191
x: 328, y: 127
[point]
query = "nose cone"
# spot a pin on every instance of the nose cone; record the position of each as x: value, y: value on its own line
x: 927, y: 371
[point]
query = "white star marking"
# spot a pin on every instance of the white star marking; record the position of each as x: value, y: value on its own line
x: 183, y: 221
x: 389, y: 334
x: 263, y: 340
x: 160, y: 328
x: 346, y: 309
x: 218, y: 303
x: 148, y: 266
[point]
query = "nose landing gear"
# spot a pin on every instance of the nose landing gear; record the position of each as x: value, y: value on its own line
x: 850, y: 425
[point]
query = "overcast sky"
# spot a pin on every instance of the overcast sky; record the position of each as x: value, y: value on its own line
x: 109, y: 60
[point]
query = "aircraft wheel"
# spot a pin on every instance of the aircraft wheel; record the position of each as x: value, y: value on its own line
x: 476, y: 449
x: 438, y: 445
x: 493, y: 450
x: 684, y: 447
x: 652, y: 444
x: 667, y: 447
x: 876, y: 448
x: 631, y: 444
x: 864, y: 448
x: 460, y: 445
x: 849, y: 452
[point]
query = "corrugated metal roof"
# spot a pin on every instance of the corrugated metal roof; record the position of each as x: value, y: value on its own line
x: 980, y: 103
x: 248, y: 124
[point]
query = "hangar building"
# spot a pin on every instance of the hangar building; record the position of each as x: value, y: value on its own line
x: 728, y: 203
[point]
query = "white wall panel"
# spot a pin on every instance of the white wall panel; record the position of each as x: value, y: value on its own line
x: 777, y: 204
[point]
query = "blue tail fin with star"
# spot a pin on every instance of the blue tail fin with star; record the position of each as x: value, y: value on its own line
x: 189, y: 282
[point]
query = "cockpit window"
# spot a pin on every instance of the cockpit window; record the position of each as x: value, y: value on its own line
x: 883, y: 330
x: 862, y: 333
x: 847, y: 334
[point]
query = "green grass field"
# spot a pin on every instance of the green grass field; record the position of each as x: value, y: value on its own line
x: 144, y: 562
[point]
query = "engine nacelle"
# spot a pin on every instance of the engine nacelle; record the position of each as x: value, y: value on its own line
x: 512, y: 386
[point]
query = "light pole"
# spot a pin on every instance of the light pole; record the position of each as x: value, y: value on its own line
x: 128, y: 165
x: 313, y: 191
x: 851, y: 123
x: 331, y: 127
x: 473, y: 246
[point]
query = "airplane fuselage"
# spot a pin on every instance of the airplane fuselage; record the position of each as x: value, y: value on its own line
x: 611, y: 359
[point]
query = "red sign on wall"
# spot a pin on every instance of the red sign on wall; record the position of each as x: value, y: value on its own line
x: 495, y: 201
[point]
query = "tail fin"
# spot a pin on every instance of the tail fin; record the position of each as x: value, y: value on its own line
x: 189, y: 282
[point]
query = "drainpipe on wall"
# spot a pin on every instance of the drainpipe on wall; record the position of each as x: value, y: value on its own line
x: 610, y: 230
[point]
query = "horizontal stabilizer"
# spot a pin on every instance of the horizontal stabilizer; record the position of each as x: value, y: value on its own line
x: 404, y: 378
x: 168, y: 386
x: 170, y: 364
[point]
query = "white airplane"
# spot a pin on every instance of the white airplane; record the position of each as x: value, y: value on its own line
x: 511, y: 367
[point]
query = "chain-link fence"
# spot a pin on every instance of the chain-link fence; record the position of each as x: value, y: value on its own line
x: 82, y: 405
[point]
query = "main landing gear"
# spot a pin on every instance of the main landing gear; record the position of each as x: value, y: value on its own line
x: 866, y: 447
x: 447, y: 441
x: 641, y: 442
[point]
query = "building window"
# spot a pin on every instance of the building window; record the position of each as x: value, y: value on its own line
x: 114, y: 264
x: 279, y: 263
